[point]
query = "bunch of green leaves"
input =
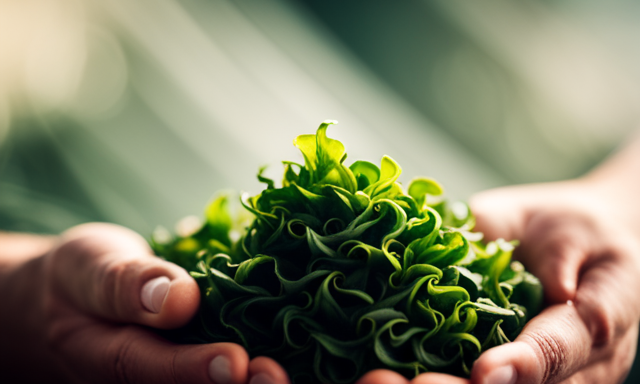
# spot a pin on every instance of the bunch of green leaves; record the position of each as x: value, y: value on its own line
x: 342, y: 270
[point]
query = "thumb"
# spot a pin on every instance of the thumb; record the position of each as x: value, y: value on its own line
x: 109, y: 271
x: 552, y: 346
x: 565, y: 337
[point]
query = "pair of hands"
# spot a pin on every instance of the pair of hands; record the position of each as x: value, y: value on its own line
x: 81, y: 312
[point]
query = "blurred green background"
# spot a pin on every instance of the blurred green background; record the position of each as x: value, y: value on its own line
x: 135, y: 112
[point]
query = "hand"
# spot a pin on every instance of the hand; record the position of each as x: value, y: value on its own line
x: 589, y: 264
x: 82, y: 312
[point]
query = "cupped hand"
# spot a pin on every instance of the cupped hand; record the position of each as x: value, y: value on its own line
x: 83, y: 313
x: 588, y: 261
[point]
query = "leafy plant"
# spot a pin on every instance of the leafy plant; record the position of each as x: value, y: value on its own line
x: 342, y: 271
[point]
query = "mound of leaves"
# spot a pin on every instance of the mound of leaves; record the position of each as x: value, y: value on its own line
x: 343, y: 270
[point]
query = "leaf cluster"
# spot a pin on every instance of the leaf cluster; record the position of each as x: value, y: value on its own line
x: 343, y: 270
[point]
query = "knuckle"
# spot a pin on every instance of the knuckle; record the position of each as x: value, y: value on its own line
x: 114, y: 279
x: 173, y: 376
x: 129, y: 361
x: 57, y: 334
x: 122, y: 361
x: 65, y: 254
x: 552, y: 352
x: 107, y: 284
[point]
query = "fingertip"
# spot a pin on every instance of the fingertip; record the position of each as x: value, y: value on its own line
x: 558, y: 291
x: 497, y: 214
x: 151, y: 291
x: 382, y: 376
x: 175, y: 306
x: 438, y: 378
x: 559, y: 277
x: 484, y: 222
x: 510, y: 363
x: 568, y: 271
x: 567, y: 289
x: 229, y: 364
x: 264, y: 370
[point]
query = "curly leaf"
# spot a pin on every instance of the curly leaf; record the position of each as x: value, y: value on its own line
x: 342, y: 271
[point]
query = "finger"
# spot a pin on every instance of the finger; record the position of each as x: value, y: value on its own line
x: 438, y: 378
x: 552, y: 346
x: 109, y: 271
x: 554, y: 248
x: 606, y: 297
x: 264, y: 370
x: 102, y: 353
x: 504, y: 212
x: 382, y: 376
x: 499, y: 213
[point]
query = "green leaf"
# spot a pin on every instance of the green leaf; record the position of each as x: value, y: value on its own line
x: 450, y: 248
x: 218, y: 219
x: 365, y: 172
x: 420, y: 187
x: 262, y: 179
x: 492, y: 267
x: 389, y: 173
x: 323, y: 158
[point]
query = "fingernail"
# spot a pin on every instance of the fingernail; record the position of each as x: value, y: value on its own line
x: 154, y: 292
x: 504, y: 375
x: 220, y: 370
x: 261, y: 378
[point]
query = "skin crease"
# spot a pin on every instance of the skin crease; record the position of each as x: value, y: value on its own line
x: 76, y: 313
